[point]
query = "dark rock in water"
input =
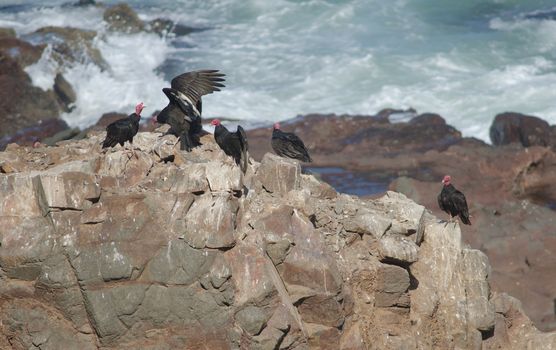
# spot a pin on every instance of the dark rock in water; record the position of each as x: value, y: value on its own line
x: 122, y: 18
x: 513, y: 127
x: 163, y: 27
x: 64, y: 92
x: 23, y: 106
x: 392, y: 113
x: 549, y: 15
x: 7, y: 33
x: 21, y: 103
x: 428, y: 118
x: 21, y: 51
x: 85, y: 3
x: 401, y: 137
x: 108, y: 118
x: 40, y: 131
x: 11, y: 67
x: 63, y: 135
x: 69, y: 44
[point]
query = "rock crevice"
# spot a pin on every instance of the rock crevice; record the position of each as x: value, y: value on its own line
x: 103, y: 250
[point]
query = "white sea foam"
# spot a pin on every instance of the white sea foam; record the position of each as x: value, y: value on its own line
x: 132, y: 78
x: 286, y: 58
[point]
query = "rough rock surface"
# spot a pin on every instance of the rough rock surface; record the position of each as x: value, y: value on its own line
x: 166, y: 250
x: 510, y: 188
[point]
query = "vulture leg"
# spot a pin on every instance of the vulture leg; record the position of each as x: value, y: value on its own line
x: 186, y: 144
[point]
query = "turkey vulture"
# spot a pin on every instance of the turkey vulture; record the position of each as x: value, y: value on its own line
x: 124, y: 129
x: 453, y: 201
x: 233, y: 144
x: 287, y: 144
x: 183, y: 112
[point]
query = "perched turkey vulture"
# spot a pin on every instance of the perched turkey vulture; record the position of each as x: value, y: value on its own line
x: 183, y: 112
x: 233, y: 144
x: 287, y: 144
x: 453, y: 201
x: 124, y: 129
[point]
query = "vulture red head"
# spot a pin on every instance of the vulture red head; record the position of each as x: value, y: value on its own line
x: 139, y: 108
x: 215, y: 122
x: 276, y: 126
x: 446, y: 180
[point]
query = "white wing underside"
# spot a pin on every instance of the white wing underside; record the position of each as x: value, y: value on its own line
x: 187, y: 100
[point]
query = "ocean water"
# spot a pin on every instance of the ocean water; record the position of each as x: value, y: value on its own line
x: 466, y: 60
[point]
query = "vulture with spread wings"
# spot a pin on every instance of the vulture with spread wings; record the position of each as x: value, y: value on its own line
x: 183, y: 112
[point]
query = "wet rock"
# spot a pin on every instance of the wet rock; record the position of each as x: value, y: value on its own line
x: 21, y: 51
x: 64, y: 92
x: 85, y: 3
x: 43, y: 131
x: 66, y: 134
x: 163, y: 27
x: 122, y: 18
x: 22, y: 104
x: 69, y: 45
x: 108, y: 118
x: 526, y: 130
x: 7, y: 33
x: 429, y: 119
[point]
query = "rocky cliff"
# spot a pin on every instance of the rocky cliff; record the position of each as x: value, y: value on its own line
x: 509, y: 188
x: 164, y: 250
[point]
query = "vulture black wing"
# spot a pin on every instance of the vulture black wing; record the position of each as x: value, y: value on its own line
x: 119, y: 131
x: 441, y: 199
x: 453, y: 202
x: 191, y: 86
x: 460, y: 205
x: 287, y: 144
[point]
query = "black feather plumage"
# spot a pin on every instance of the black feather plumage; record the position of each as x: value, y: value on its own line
x: 183, y: 112
x: 453, y: 202
x: 287, y: 144
x: 234, y: 144
x: 121, y: 130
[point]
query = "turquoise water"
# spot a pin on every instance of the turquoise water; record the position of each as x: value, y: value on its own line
x: 467, y: 60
